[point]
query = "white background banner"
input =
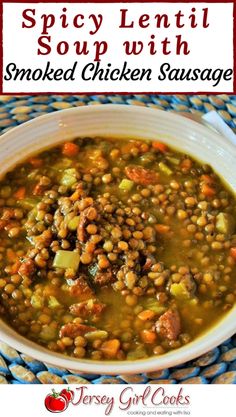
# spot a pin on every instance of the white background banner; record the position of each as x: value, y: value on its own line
x: 85, y: 47
x: 122, y: 400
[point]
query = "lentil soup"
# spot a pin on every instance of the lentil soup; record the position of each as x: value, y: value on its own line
x: 115, y: 249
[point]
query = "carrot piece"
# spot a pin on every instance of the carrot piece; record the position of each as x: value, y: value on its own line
x: 110, y: 348
x: 148, y: 336
x: 90, y: 247
x: 233, y: 253
x: 160, y: 146
x: 36, y: 162
x: 207, y: 179
x: 146, y: 315
x: 162, y: 228
x: 15, y: 267
x: 186, y: 164
x: 11, y: 255
x: 70, y: 149
x: 20, y: 193
x: 207, y: 190
x: 76, y: 195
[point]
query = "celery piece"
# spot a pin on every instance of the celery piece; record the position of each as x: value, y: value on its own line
x: 126, y: 185
x: 139, y: 353
x: 225, y: 223
x: 32, y: 175
x: 174, y: 161
x: 63, y: 163
x: 157, y: 308
x: 36, y: 301
x: 73, y: 223
x: 154, y: 305
x: 96, y: 334
x: 48, y: 333
x: 69, y: 177
x: 28, y: 203
x: 66, y: 259
x: 179, y: 291
x: 165, y: 169
x: 32, y: 213
x: 40, y: 216
x: 53, y: 303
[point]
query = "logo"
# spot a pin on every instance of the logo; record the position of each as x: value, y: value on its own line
x: 57, y: 402
x: 131, y: 400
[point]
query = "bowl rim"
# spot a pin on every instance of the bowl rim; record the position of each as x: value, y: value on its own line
x: 168, y: 115
x: 178, y: 356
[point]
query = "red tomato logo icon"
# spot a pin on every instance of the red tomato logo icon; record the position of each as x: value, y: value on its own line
x: 55, y: 402
x: 68, y: 394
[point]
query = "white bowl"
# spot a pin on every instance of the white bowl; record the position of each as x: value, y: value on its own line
x: 122, y: 121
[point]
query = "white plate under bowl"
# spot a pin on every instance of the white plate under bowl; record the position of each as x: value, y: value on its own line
x: 134, y: 122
